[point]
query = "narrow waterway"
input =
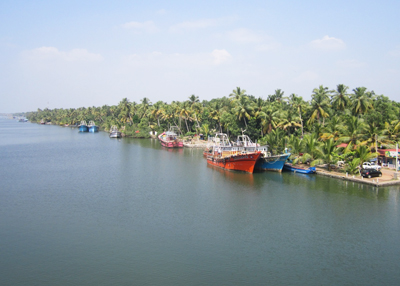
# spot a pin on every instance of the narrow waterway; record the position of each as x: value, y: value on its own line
x: 84, y: 209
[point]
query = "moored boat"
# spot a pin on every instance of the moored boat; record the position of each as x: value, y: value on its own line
x: 170, y: 139
x: 267, y: 162
x: 229, y: 157
x: 270, y: 162
x: 114, y: 133
x: 298, y: 169
x: 83, y: 127
x: 93, y: 127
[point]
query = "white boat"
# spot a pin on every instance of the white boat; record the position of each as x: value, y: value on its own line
x: 114, y: 133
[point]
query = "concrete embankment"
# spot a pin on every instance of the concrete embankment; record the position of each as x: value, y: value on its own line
x: 388, y: 178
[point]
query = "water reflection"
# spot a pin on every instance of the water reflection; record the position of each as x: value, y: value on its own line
x: 241, y: 178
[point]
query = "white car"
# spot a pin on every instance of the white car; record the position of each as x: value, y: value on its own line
x: 370, y: 165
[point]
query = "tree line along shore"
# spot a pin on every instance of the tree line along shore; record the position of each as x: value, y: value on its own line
x: 313, y: 130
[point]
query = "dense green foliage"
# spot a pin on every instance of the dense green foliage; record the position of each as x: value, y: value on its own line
x: 311, y: 128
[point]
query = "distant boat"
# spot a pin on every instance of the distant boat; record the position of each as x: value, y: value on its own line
x: 170, y: 139
x: 83, y: 127
x: 114, y: 133
x: 93, y: 127
x: 298, y: 169
x: 22, y: 120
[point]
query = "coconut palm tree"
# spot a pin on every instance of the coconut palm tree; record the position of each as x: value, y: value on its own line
x: 327, y: 153
x: 340, y: 99
x: 310, y: 151
x: 364, y: 153
x: 270, y: 117
x: 125, y: 111
x: 354, y: 131
x: 289, y: 121
x: 237, y: 93
x: 333, y: 129
x: 319, y: 104
x: 243, y: 109
x: 157, y: 110
x: 299, y: 104
x: 361, y: 102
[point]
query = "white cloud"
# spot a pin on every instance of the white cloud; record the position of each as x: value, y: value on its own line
x: 52, y: 53
x: 220, y: 56
x: 245, y: 36
x: 351, y: 64
x: 141, y: 27
x: 328, y: 43
x: 306, y: 76
x: 191, y: 25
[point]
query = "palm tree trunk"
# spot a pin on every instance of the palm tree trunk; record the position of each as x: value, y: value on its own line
x: 187, y: 127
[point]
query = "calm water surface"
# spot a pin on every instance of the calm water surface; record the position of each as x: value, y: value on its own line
x: 84, y: 209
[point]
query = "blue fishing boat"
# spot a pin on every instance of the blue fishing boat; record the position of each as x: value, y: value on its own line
x: 83, y: 127
x: 298, y: 169
x: 269, y: 162
x: 266, y: 162
x: 93, y: 127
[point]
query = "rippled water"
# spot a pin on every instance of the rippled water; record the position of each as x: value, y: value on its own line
x: 84, y: 209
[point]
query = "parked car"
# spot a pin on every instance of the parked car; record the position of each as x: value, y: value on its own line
x: 370, y: 165
x: 368, y: 173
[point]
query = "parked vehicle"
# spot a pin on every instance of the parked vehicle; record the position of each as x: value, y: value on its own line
x: 368, y: 173
x: 370, y: 165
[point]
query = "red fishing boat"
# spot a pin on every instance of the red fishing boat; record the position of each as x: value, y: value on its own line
x: 229, y: 157
x: 170, y: 139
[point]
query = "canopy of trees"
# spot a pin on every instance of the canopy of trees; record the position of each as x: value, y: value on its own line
x: 312, y: 128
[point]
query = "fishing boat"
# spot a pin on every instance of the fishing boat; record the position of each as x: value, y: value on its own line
x: 170, y: 139
x: 297, y: 169
x: 42, y: 122
x: 225, y: 155
x: 114, y: 133
x: 93, y: 127
x: 83, y: 127
x: 269, y: 162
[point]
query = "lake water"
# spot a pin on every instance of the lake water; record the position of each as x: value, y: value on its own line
x: 84, y: 209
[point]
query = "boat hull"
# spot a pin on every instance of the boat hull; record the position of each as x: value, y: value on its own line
x: 272, y: 163
x: 115, y: 134
x: 243, y: 162
x: 290, y: 168
x: 83, y: 128
x: 93, y: 129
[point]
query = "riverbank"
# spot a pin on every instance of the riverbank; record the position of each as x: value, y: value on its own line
x: 388, y: 177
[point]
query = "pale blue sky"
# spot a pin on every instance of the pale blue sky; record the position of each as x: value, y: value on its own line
x: 63, y: 54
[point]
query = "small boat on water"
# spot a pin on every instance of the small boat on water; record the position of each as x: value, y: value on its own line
x: 93, y: 127
x: 83, y: 127
x: 170, y: 139
x: 114, y: 133
x: 298, y: 169
x: 42, y: 122
x: 224, y: 155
